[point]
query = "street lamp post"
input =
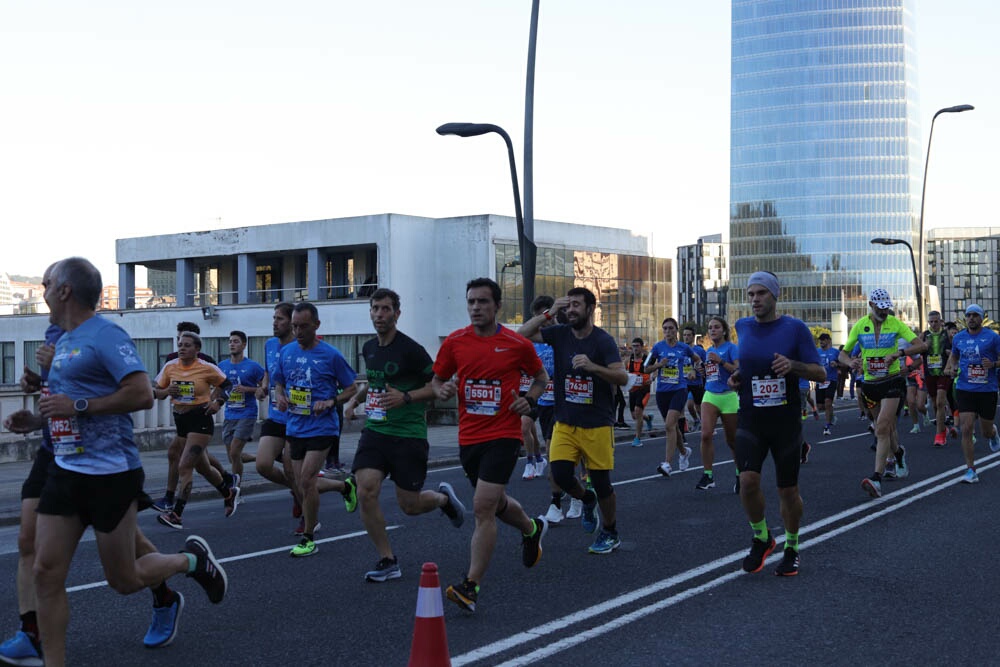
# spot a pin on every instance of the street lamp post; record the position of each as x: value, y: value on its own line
x: 525, y: 244
x: 916, y: 277
x: 923, y: 192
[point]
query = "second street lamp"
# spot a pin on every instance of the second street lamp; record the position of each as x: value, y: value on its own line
x: 524, y: 244
x: 916, y: 277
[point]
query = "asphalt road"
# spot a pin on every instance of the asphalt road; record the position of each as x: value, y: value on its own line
x: 909, y: 579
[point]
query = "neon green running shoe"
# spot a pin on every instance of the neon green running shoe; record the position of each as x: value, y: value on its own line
x: 350, y: 494
x: 303, y: 549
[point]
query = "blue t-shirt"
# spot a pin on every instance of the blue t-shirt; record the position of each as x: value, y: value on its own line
x: 249, y: 374
x: 717, y: 377
x: 544, y: 352
x: 689, y: 367
x: 760, y: 388
x: 316, y: 374
x: 272, y: 354
x: 671, y: 377
x: 582, y: 399
x: 91, y: 361
x: 828, y: 359
x: 52, y: 335
x: 972, y: 349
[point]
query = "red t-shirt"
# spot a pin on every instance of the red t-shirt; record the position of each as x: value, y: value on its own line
x: 488, y: 368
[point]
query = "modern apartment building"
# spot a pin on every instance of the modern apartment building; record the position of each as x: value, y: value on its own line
x: 702, y: 279
x: 964, y: 264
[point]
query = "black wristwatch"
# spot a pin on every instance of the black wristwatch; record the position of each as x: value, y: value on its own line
x: 407, y: 398
x: 533, y: 402
x: 81, y: 405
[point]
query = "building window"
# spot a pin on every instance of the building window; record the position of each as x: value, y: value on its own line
x: 9, y: 370
x: 268, y: 288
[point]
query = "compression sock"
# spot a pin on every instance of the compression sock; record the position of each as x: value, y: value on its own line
x: 29, y: 624
x: 709, y: 474
x: 223, y: 488
x: 534, y: 529
x: 179, y: 506
x: 792, y: 541
x: 192, y: 561
x: 760, y: 530
x: 169, y: 496
x: 162, y: 595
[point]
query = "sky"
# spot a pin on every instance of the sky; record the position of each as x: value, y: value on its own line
x: 124, y: 119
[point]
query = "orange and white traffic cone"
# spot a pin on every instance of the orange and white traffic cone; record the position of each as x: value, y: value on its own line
x: 430, y: 641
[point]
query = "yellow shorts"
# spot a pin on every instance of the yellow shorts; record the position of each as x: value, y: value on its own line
x: 571, y: 443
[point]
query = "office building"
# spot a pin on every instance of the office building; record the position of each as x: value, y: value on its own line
x: 702, y: 280
x: 964, y: 263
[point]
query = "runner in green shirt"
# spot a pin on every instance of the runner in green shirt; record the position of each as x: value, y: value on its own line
x: 394, y: 440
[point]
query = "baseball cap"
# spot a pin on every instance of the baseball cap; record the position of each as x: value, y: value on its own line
x: 975, y: 308
x: 880, y: 298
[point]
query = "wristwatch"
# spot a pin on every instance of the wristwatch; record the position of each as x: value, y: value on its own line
x: 407, y: 398
x: 81, y: 405
x: 532, y: 402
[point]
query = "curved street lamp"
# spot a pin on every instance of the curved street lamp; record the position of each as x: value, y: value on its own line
x: 923, y: 193
x: 524, y: 244
x: 916, y: 278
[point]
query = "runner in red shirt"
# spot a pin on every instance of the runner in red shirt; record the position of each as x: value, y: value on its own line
x: 482, y: 364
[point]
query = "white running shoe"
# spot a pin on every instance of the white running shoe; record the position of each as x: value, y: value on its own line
x: 575, y: 509
x: 540, y: 466
x: 529, y: 471
x: 684, y: 460
x: 554, y: 515
x: 663, y: 469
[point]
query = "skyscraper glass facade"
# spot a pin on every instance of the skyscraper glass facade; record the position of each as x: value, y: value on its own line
x: 825, y: 153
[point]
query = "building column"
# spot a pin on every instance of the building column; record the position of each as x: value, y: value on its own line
x: 246, y: 278
x: 185, y: 283
x: 314, y: 269
x: 126, y: 286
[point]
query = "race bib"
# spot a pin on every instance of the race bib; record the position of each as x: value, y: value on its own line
x: 549, y: 395
x: 769, y: 392
x: 237, y: 400
x: 711, y: 371
x: 877, y: 367
x: 934, y: 361
x: 525, y: 384
x: 482, y: 397
x: 977, y: 374
x: 300, y: 400
x: 823, y: 386
x: 272, y: 397
x: 186, y: 393
x: 579, y: 390
x: 66, y: 438
x: 670, y: 375
x: 374, y: 408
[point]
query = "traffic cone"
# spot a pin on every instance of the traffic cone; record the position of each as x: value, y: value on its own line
x: 430, y: 641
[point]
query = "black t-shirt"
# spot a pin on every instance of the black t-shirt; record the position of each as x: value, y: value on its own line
x: 582, y: 399
x: 405, y: 365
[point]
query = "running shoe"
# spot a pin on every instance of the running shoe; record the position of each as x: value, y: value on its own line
x: 531, y: 545
x: 949, y: 420
x: 605, y: 543
x: 789, y: 566
x: 575, y: 510
x: 915, y: 429
x: 928, y: 421
x: 464, y: 595
x: 589, y: 520
x: 454, y: 510
x: 759, y: 551
x: 301, y: 528
x: 902, y: 470
x: 940, y: 440
x: 826, y: 430
x: 995, y: 441
x: 305, y: 547
x: 706, y: 482
x: 235, y: 479
x: 684, y: 460
x: 649, y: 421
x: 163, y: 505
x: 540, y: 464
x: 554, y: 515
x: 231, y: 501
x: 350, y: 494
x: 806, y: 448
x: 621, y: 424
x: 166, y: 620
x: 890, y: 469
x: 664, y: 469
x: 171, y: 520
x: 872, y: 487
x: 815, y: 415
x: 20, y: 650
x: 952, y: 432
x: 529, y: 471
x: 636, y: 442
x: 805, y: 415
x: 207, y: 570
x: 384, y: 570
x: 970, y: 476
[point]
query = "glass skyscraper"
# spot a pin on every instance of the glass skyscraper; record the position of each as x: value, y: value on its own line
x: 825, y: 153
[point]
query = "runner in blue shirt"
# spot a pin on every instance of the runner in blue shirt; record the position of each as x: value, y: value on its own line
x: 246, y: 376
x: 696, y: 384
x: 975, y: 352
x: 307, y: 379
x: 720, y: 400
x: 668, y: 358
x: 826, y: 391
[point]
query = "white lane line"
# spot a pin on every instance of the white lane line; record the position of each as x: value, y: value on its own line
x: 255, y: 554
x: 561, y: 624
